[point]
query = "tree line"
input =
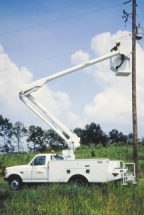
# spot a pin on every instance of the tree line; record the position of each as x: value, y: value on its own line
x: 13, y: 136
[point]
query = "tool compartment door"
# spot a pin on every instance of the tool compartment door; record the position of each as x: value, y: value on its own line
x: 98, y: 170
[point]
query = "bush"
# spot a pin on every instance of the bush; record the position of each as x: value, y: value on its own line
x: 98, y: 146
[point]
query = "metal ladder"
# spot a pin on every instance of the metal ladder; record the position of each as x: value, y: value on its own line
x: 129, y: 176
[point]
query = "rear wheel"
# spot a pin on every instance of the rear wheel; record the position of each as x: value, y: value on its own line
x: 15, y: 183
x: 79, y: 182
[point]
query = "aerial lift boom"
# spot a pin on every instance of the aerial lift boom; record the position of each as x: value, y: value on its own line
x: 73, y: 140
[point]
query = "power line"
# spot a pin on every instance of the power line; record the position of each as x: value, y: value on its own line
x: 56, y: 56
x: 60, y: 20
x: 127, y: 1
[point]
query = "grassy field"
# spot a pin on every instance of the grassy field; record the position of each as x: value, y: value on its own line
x: 109, y: 199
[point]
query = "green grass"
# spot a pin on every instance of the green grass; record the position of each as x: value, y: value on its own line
x: 65, y: 200
x: 109, y: 199
x: 112, y: 152
x: 15, y: 159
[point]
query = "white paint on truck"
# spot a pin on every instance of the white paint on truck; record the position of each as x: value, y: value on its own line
x: 50, y: 168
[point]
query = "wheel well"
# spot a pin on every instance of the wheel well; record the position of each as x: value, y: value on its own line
x: 78, y: 176
x: 14, y: 176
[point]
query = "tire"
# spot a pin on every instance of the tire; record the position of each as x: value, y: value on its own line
x: 79, y: 182
x: 15, y: 182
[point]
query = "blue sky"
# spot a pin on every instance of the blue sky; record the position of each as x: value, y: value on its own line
x: 42, y: 37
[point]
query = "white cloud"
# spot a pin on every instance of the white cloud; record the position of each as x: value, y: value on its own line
x: 101, y: 44
x: 59, y: 104
x: 12, y: 79
x: 109, y: 106
x: 79, y: 57
x: 112, y: 107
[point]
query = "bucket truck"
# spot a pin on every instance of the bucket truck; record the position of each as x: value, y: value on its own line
x: 50, y: 168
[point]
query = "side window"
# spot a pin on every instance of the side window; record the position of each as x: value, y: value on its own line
x: 56, y: 157
x: 40, y: 160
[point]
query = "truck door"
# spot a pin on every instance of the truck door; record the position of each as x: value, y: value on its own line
x: 39, y: 170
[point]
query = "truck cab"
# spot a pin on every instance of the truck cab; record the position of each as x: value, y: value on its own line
x: 34, y: 172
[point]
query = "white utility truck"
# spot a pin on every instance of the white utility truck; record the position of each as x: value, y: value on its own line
x: 52, y: 168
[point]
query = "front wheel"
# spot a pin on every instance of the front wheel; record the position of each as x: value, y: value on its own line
x: 15, y: 183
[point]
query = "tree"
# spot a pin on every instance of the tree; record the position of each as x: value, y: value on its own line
x: 78, y: 132
x: 95, y: 134
x: 142, y: 140
x: 19, y: 131
x: 6, y: 134
x: 39, y: 139
x: 36, y: 138
x: 7, y: 147
x: 55, y: 141
x: 116, y: 136
x: 130, y: 138
x: 82, y: 134
x: 5, y: 127
x: 92, y: 134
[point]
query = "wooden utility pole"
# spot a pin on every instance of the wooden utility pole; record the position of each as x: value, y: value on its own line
x: 134, y: 105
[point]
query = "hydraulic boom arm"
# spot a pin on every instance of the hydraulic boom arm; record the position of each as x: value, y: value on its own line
x: 73, y: 140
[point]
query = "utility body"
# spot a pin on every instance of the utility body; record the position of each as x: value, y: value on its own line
x: 65, y: 169
x: 52, y: 168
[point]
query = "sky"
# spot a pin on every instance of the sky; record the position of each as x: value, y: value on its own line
x: 39, y: 38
